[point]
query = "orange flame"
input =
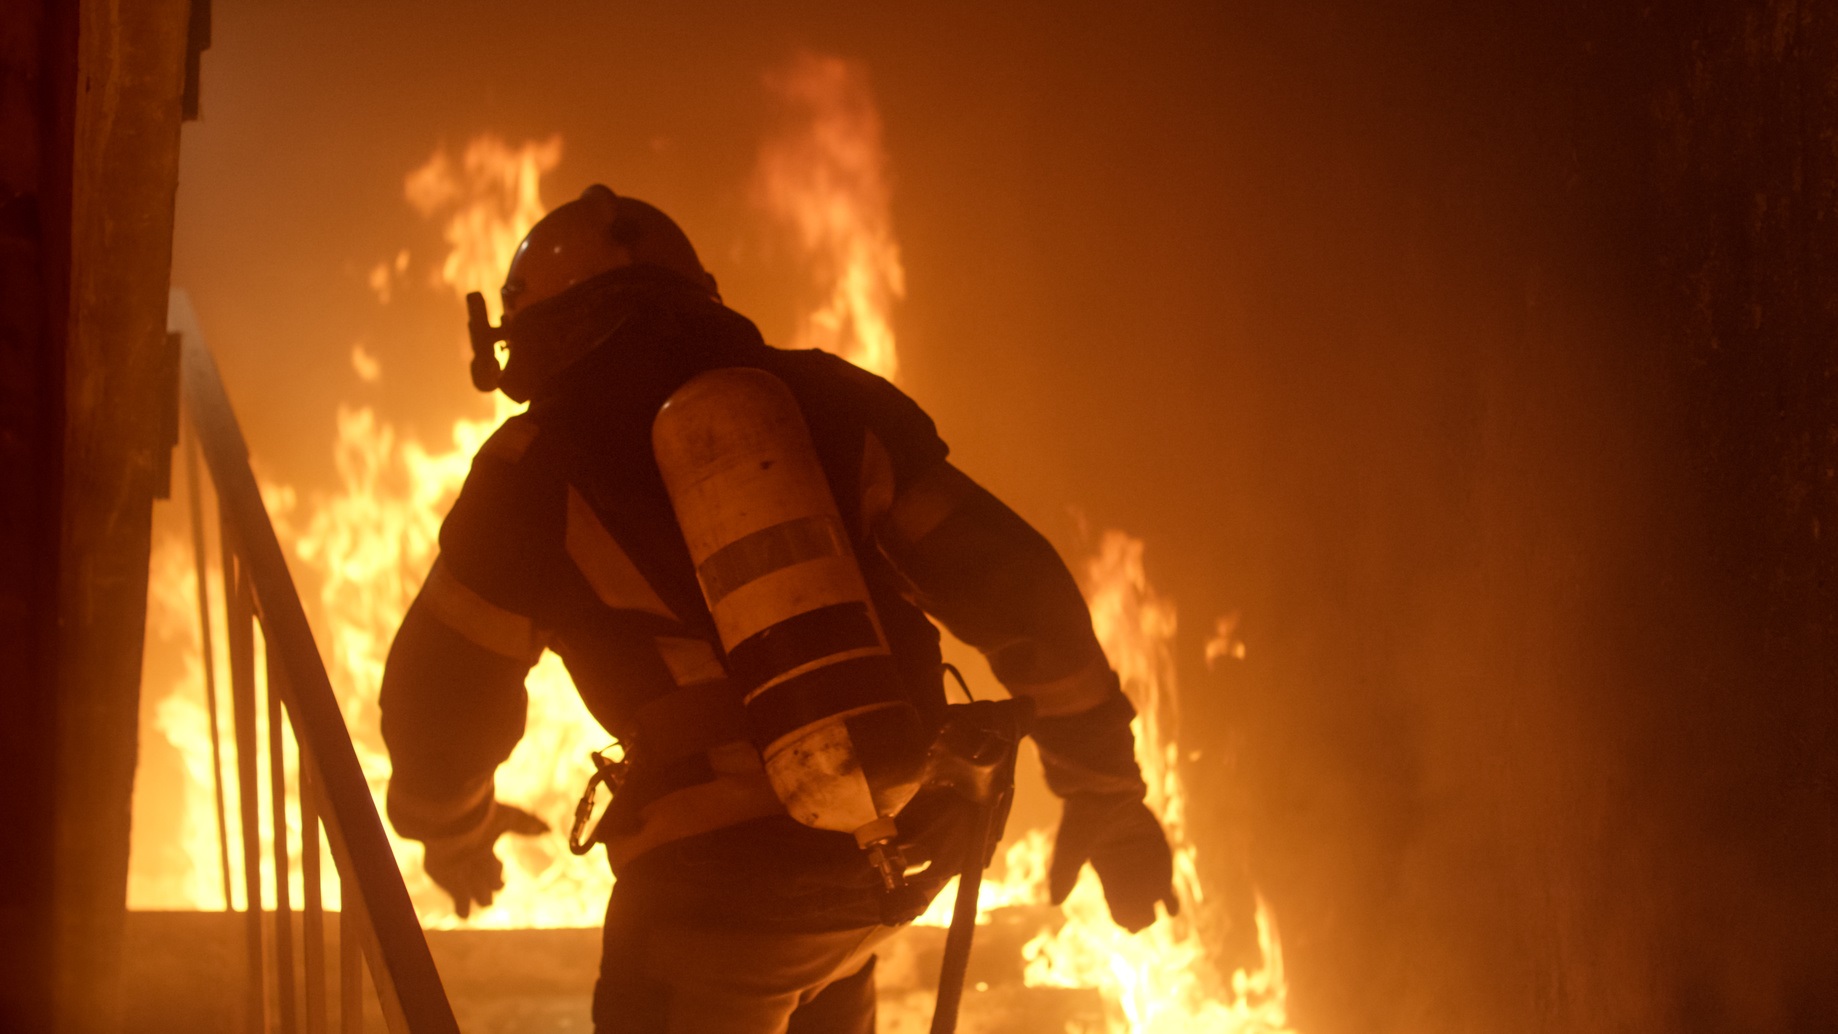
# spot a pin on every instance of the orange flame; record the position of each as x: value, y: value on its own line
x: 827, y: 178
x: 372, y: 542
x: 369, y: 544
x: 186, y: 875
x: 1161, y: 980
x: 490, y: 198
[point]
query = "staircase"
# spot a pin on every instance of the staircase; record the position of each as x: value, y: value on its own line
x: 297, y: 969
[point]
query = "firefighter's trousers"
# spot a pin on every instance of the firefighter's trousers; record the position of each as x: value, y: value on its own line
x: 659, y: 976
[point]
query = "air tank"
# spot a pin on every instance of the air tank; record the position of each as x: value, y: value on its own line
x: 842, y: 744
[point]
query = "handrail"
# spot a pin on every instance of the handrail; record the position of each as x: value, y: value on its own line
x: 376, y: 903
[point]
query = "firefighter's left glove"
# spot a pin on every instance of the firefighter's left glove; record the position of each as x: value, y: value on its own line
x: 467, y: 867
x: 1120, y: 837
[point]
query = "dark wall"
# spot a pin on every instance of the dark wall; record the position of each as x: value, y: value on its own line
x: 37, y: 122
x: 1541, y: 735
x: 1745, y: 181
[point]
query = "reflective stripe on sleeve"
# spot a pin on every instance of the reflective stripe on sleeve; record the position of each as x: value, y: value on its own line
x: 478, y: 619
x: 611, y: 574
x: 458, y: 816
x: 1074, y: 694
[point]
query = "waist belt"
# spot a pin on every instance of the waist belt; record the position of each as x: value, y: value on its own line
x: 674, y: 742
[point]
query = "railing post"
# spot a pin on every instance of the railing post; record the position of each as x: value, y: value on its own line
x: 350, y: 966
x: 312, y: 909
x: 241, y: 639
x: 285, y: 999
x: 208, y: 654
x: 407, y: 984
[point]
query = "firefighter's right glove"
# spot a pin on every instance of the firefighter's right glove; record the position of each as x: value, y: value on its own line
x: 1124, y: 843
x: 467, y: 867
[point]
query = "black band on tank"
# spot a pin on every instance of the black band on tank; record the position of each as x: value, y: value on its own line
x: 818, y: 694
x: 799, y: 640
x: 754, y: 556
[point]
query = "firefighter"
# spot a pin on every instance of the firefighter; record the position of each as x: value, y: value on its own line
x: 727, y: 915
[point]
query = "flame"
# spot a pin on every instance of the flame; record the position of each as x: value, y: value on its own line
x: 368, y: 545
x: 1225, y: 642
x: 827, y: 178
x: 183, y: 879
x: 1162, y: 979
x: 190, y: 877
x: 490, y: 198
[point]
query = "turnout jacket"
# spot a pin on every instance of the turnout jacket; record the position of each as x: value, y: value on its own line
x: 563, y: 537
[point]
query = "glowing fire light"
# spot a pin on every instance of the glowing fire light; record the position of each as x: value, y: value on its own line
x: 367, y: 547
x: 827, y: 178
x: 490, y: 198
x: 1161, y: 979
x: 371, y: 544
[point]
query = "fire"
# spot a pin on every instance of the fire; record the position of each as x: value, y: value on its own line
x: 366, y: 548
x: 363, y: 550
x: 187, y: 875
x: 1161, y: 979
x: 183, y: 879
x: 370, y: 544
x: 827, y: 178
x: 490, y: 198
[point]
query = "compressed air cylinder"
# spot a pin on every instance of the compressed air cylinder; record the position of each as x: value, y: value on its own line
x: 841, y: 742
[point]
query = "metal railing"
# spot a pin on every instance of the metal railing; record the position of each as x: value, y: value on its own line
x: 377, y: 927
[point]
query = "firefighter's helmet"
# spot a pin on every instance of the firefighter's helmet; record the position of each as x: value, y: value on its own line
x: 595, y: 234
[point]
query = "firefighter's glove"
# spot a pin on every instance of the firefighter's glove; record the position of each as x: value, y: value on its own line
x: 1121, y: 839
x: 467, y: 867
